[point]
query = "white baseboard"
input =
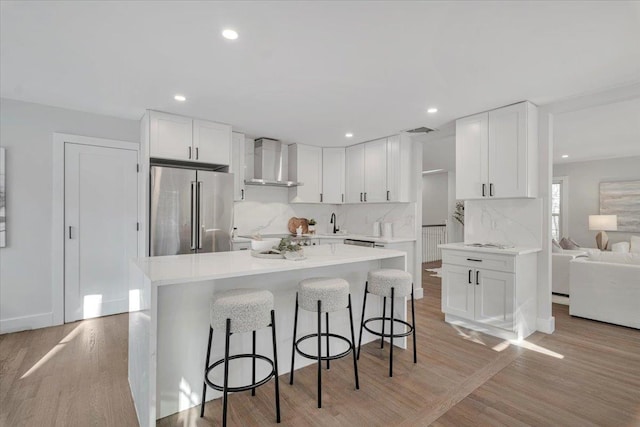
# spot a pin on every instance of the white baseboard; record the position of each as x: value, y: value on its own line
x: 546, y: 325
x: 418, y: 293
x: 24, y: 323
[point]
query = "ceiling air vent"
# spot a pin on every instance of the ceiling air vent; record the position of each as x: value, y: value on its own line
x: 420, y: 130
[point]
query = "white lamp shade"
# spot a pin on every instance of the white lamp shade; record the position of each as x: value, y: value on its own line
x: 603, y: 222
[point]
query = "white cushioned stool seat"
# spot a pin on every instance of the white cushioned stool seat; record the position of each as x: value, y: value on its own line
x: 248, y: 309
x: 381, y: 282
x: 332, y: 291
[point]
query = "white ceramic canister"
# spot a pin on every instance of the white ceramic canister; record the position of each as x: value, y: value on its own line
x: 387, y: 230
x: 376, y: 229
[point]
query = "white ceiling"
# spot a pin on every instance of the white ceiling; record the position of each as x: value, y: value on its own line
x: 310, y: 71
x: 606, y: 131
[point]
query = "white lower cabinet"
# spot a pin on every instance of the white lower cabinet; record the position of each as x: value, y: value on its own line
x: 490, y: 292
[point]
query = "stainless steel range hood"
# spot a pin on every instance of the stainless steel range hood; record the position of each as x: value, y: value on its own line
x: 268, y: 164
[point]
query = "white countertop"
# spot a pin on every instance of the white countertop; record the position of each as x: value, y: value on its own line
x: 517, y: 250
x: 167, y: 270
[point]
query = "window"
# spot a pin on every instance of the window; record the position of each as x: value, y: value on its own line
x: 559, y: 216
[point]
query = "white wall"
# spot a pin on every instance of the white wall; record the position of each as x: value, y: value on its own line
x: 435, y: 198
x: 26, y: 131
x: 584, y: 193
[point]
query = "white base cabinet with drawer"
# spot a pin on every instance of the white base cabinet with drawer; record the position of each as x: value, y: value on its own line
x: 491, y: 293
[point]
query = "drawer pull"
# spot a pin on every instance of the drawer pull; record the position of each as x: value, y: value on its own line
x: 474, y: 260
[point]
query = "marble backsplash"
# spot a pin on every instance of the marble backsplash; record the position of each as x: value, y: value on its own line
x: 266, y: 210
x: 513, y: 222
x: 359, y: 219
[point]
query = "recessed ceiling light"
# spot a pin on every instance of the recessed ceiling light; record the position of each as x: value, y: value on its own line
x: 432, y: 110
x: 348, y: 135
x: 180, y: 98
x: 229, y: 34
x: 565, y: 156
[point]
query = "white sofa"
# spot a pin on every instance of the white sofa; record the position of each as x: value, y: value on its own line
x: 606, y: 287
x: 560, y: 269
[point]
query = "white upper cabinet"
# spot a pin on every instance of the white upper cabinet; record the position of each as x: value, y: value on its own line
x: 333, y: 170
x: 380, y: 171
x: 211, y: 142
x: 170, y: 136
x: 400, y: 183
x: 305, y: 165
x: 183, y: 138
x: 472, y: 156
x: 497, y: 153
x: 237, y: 165
x: 375, y: 173
x: 354, y: 174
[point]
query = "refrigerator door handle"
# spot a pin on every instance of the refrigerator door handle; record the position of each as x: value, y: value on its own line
x: 193, y: 215
x: 200, y: 225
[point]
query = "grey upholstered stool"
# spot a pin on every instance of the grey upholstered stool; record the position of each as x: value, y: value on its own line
x: 389, y: 283
x: 238, y: 311
x: 323, y: 295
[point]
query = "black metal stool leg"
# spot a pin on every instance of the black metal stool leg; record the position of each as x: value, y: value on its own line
x: 226, y: 374
x: 364, y: 306
x: 293, y: 347
x: 384, y: 314
x: 206, y: 366
x: 413, y: 322
x: 353, y: 345
x: 253, y: 363
x: 391, y: 337
x: 319, y: 354
x: 275, y: 363
x: 326, y: 318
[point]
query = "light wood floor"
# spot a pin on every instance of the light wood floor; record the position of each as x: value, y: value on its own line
x: 586, y: 373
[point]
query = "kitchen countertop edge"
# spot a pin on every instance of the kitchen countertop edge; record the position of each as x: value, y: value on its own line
x: 518, y: 250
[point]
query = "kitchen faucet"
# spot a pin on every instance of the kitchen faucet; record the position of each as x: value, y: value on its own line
x: 333, y: 221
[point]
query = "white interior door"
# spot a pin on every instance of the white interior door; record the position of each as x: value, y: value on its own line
x: 100, y: 229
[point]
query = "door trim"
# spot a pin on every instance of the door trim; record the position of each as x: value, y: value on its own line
x: 57, y: 223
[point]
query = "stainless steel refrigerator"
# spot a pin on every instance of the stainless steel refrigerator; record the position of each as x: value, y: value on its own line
x: 191, y: 211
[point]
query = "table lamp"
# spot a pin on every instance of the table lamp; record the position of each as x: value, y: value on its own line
x: 603, y: 223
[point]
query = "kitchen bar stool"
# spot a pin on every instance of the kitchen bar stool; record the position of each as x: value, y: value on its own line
x: 239, y: 311
x: 323, y: 295
x: 394, y: 284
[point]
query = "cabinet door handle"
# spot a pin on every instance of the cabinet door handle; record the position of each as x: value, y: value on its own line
x: 365, y: 196
x: 242, y: 194
x: 491, y: 189
x: 474, y: 260
x: 484, y: 190
x: 197, y: 153
x: 477, y: 277
x: 469, y: 276
x: 320, y: 197
x: 388, y: 195
x: 190, y: 156
x: 360, y: 196
x: 70, y: 233
x: 342, y: 197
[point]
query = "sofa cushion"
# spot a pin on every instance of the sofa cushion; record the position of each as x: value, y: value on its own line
x: 555, y: 247
x: 635, y: 244
x: 620, y: 247
x: 567, y: 243
x: 615, y: 257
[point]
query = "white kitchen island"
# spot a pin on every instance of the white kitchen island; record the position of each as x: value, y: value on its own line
x: 169, y: 301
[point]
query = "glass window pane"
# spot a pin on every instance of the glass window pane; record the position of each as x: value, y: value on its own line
x: 555, y: 229
x: 555, y: 198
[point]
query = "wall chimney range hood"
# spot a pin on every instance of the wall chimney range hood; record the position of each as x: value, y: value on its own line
x: 268, y: 164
